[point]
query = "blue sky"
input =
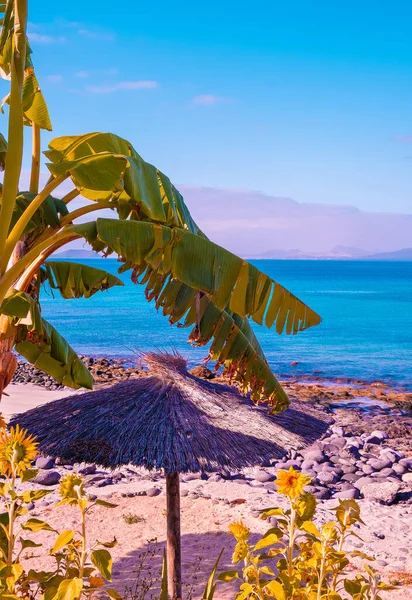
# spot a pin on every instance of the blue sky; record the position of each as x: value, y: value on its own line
x: 311, y: 100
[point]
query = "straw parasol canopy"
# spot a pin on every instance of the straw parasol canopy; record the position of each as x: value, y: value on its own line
x: 170, y: 420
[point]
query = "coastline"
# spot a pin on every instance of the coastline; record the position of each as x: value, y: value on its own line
x: 211, y: 502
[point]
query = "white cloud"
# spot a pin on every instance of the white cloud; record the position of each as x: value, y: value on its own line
x: 121, y: 85
x: 82, y: 74
x: 96, y: 35
x: 55, y: 78
x: 41, y: 38
x: 209, y: 100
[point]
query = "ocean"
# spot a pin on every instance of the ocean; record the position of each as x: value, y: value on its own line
x: 366, y: 332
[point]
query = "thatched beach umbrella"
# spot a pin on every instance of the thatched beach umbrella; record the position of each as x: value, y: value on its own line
x: 173, y: 421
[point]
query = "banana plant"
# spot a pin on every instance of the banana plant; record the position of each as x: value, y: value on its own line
x: 195, y: 282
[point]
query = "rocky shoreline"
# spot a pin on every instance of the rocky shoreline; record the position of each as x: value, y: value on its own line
x: 366, y: 454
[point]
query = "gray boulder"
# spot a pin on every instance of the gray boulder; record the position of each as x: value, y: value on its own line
x: 44, y: 462
x: 47, y: 478
x: 384, y: 492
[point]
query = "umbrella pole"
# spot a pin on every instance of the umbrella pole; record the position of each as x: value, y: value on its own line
x: 174, y: 560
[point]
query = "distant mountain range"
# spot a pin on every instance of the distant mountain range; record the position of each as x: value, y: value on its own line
x: 252, y: 224
x: 337, y: 253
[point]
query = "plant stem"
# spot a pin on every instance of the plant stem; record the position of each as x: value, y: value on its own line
x: 84, y: 210
x: 84, y: 541
x: 35, y: 160
x: 18, y: 230
x: 321, y: 574
x: 11, y: 512
x: 15, y: 129
x: 6, y: 282
x: 291, y: 539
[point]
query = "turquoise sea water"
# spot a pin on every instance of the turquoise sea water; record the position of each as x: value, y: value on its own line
x: 366, y: 331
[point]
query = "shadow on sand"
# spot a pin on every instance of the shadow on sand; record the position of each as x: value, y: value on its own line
x: 138, y: 574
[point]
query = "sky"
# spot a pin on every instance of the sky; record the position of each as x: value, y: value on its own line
x: 307, y: 100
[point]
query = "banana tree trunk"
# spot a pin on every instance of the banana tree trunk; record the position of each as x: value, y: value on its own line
x: 8, y: 361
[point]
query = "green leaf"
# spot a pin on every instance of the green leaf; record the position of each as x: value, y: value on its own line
x: 69, y: 589
x: 211, y: 585
x: 305, y: 507
x: 28, y: 544
x: 108, y: 544
x: 102, y: 560
x: 105, y: 503
x: 63, y: 540
x: 311, y: 528
x: 164, y: 595
x: 113, y: 593
x: 29, y: 474
x: 36, y: 525
x: 267, y: 540
x: 48, y: 214
x: 275, y: 590
x: 32, y: 495
x: 75, y: 280
x: 194, y: 279
x: 34, y: 105
x: 48, y: 351
x: 228, y: 575
x: 139, y: 189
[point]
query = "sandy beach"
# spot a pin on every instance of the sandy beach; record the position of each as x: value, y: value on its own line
x: 208, y: 506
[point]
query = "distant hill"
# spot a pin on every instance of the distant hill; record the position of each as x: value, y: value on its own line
x: 337, y: 253
x: 77, y: 253
x: 251, y: 224
x: 404, y: 254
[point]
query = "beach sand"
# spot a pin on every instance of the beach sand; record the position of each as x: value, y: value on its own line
x: 387, y: 535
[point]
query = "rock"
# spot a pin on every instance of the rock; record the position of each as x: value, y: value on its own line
x: 327, y: 477
x: 262, y: 476
x: 292, y: 463
x: 399, y: 469
x: 406, y: 462
x: 407, y: 477
x: 367, y: 469
x: 350, y: 494
x: 337, y: 430
x: 215, y: 478
x: 190, y: 477
x: 390, y: 454
x: 350, y: 477
x: 47, y: 478
x: 376, y: 437
x: 387, y: 473
x: 384, y: 492
x: 44, y: 462
x: 362, y: 481
x: 202, y: 372
x: 184, y: 492
x: 153, y: 492
x: 378, y: 465
x: 314, y: 456
x: 87, y: 469
x: 322, y: 494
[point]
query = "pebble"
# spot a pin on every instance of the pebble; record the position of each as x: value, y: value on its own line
x: 44, y: 462
x: 47, y: 478
x: 153, y: 492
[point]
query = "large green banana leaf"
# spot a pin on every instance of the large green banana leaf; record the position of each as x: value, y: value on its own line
x: 75, y: 280
x: 47, y: 215
x: 106, y: 167
x: 229, y: 281
x: 234, y: 343
x: 33, y: 103
x: 194, y: 281
x: 40, y: 343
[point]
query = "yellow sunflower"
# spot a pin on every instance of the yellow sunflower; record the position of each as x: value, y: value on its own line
x: 17, y: 450
x: 239, y: 531
x: 291, y: 483
x: 71, y: 488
